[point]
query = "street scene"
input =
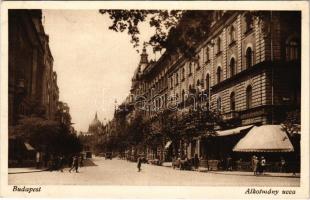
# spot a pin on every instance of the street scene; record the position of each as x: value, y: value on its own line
x: 154, y: 97
x: 120, y: 172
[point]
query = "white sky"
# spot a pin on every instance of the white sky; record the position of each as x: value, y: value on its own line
x: 94, y: 64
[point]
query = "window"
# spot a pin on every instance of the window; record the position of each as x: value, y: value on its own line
x: 232, y: 34
x: 249, y: 97
x: 183, y: 96
x: 183, y: 73
x: 219, y: 45
x: 207, y: 54
x: 248, y: 23
x: 171, y: 82
x: 190, y: 88
x: 232, y: 67
x: 292, y: 50
x: 218, y: 74
x: 219, y: 104
x: 249, y: 57
x: 190, y: 69
x: 208, y: 82
x: 198, y: 82
x: 176, y: 79
x: 232, y: 101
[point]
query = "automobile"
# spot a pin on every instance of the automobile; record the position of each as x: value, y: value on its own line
x: 108, y: 155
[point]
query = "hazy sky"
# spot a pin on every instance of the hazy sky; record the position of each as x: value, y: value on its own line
x: 94, y: 64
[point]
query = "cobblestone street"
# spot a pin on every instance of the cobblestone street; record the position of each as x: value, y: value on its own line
x: 120, y: 172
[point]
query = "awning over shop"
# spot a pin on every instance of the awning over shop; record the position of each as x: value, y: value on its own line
x: 266, y: 138
x: 168, y: 144
x: 232, y: 131
x: 28, y: 147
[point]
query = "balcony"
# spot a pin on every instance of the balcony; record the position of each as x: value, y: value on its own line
x: 230, y: 115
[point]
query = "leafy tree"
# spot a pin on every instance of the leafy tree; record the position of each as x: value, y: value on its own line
x: 175, y: 30
x: 47, y: 135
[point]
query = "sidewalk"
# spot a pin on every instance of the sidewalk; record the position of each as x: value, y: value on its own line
x: 21, y: 170
x: 24, y: 170
x: 267, y: 174
x: 239, y: 173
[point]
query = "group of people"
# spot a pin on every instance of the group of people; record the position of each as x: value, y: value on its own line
x: 58, y: 163
x: 258, y: 165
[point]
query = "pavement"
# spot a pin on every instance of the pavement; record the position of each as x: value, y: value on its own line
x: 121, y: 172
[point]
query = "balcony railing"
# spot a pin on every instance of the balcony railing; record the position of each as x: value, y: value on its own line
x: 230, y: 115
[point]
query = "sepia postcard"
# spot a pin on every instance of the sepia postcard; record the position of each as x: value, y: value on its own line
x: 147, y: 99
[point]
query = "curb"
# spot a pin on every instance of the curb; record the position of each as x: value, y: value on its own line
x: 28, y: 171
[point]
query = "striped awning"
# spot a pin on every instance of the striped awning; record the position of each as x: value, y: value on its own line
x: 232, y: 131
x: 266, y: 138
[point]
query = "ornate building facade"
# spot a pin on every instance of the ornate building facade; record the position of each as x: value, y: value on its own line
x: 248, y: 70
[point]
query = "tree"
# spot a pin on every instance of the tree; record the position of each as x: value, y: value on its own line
x: 47, y: 135
x: 175, y: 30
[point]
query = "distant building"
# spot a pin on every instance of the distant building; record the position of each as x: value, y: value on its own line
x: 95, y: 127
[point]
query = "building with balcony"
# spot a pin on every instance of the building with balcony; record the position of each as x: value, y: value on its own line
x: 247, y: 71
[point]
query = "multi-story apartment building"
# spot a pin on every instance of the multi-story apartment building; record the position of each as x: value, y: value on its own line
x: 249, y: 65
x: 248, y: 68
x: 31, y: 75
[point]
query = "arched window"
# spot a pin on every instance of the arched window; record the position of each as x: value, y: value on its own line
x: 232, y: 101
x: 232, y: 67
x: 249, y: 57
x: 219, y: 104
x: 249, y: 97
x: 292, y: 50
x: 219, y: 45
x: 232, y: 34
x: 218, y: 74
x: 207, y: 82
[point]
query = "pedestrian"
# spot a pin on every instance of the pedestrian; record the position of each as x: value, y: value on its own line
x: 196, y: 161
x: 229, y: 163
x: 263, y: 165
x: 139, y: 162
x: 282, y: 165
x: 255, y: 164
x: 75, y: 164
x: 37, y: 160
x: 61, y: 163
x: 82, y: 161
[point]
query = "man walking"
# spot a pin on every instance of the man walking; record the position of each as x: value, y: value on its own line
x: 139, y: 164
x: 75, y: 164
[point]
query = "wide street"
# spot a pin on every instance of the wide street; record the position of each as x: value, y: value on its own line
x: 121, y: 172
